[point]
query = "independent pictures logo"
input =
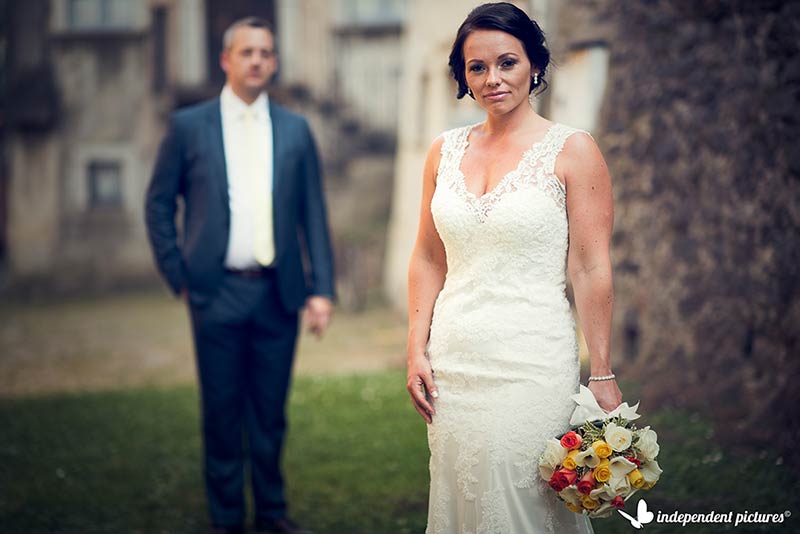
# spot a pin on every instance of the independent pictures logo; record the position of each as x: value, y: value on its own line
x: 645, y: 516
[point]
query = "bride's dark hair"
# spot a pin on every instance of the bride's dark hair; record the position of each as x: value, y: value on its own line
x: 506, y: 18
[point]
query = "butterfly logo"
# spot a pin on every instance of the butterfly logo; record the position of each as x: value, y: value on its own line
x: 643, y: 515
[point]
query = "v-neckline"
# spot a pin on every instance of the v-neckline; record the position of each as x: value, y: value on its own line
x: 462, y: 178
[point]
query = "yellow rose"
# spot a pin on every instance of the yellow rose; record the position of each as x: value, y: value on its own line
x: 602, y: 448
x: 602, y: 473
x: 569, y: 461
x: 636, y: 479
x: 574, y: 508
x: 589, y: 503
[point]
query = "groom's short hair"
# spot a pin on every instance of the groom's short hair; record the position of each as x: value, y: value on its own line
x: 247, y: 22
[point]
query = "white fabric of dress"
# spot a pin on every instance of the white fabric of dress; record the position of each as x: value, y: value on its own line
x: 502, y: 345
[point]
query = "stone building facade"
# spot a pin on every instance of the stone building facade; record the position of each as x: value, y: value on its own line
x: 89, y: 85
x: 341, y: 63
x: 347, y: 51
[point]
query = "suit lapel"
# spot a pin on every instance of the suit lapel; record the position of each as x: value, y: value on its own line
x: 217, y: 150
x: 278, y: 140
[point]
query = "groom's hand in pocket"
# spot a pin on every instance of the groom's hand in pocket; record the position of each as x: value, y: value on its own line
x: 421, y: 387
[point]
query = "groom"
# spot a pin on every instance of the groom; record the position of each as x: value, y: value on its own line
x: 248, y: 173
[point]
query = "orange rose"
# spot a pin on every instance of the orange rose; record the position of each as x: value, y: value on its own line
x: 571, y: 440
x: 562, y: 478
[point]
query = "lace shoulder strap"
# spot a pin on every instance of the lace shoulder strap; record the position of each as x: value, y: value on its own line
x: 453, y: 147
x: 555, y: 143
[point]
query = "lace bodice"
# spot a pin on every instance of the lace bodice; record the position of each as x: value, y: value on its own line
x: 518, y: 229
x: 502, y: 345
x: 535, y: 168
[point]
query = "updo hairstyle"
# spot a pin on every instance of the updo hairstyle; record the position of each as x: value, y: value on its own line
x: 506, y: 18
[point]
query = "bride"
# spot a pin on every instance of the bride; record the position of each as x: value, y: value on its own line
x: 510, y: 207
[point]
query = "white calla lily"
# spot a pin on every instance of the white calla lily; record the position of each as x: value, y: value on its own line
x: 647, y: 444
x: 602, y: 493
x: 651, y: 471
x: 587, y: 458
x: 619, y: 485
x: 620, y: 467
x: 571, y: 495
x: 604, y: 510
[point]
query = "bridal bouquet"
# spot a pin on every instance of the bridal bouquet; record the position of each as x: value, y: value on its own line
x: 603, y: 460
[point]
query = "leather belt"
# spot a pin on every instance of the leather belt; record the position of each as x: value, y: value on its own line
x: 254, y: 272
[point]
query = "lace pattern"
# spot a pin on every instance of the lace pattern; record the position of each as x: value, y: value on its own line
x: 536, y: 168
x: 502, y: 345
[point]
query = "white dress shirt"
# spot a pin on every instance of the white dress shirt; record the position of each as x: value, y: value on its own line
x: 239, y: 162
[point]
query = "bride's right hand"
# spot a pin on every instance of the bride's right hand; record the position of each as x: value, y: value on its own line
x: 420, y: 380
x: 607, y: 393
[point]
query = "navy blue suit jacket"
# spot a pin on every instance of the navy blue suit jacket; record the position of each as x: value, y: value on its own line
x: 191, y: 164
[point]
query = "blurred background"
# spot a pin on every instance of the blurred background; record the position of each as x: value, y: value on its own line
x: 695, y: 105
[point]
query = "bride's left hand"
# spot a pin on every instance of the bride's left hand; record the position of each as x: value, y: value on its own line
x: 607, y: 393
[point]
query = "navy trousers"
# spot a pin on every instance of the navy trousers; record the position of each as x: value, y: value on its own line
x: 244, y: 344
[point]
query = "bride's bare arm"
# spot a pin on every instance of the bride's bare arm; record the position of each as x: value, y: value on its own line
x: 426, y: 274
x: 590, y: 208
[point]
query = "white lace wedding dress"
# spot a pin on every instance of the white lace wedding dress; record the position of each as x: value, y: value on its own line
x: 502, y: 346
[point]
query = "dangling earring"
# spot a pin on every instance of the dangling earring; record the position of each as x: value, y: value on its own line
x: 536, y: 79
x: 469, y: 92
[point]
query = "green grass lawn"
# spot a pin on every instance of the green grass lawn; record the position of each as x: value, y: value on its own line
x: 356, y: 462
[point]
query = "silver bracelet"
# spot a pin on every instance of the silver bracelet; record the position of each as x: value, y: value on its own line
x: 612, y: 376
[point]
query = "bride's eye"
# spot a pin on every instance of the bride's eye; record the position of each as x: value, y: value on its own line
x: 508, y: 63
x: 476, y: 67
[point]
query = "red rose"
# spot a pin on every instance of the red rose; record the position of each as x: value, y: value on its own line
x: 586, y: 483
x: 618, y: 502
x: 556, y: 484
x: 562, y: 478
x: 634, y: 459
x: 571, y: 440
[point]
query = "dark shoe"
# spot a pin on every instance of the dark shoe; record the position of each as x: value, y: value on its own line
x: 238, y: 529
x: 284, y: 525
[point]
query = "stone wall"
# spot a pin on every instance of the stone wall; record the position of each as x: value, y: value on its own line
x: 697, y: 127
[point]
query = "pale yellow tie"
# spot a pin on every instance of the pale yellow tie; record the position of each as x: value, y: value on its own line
x: 263, y: 240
